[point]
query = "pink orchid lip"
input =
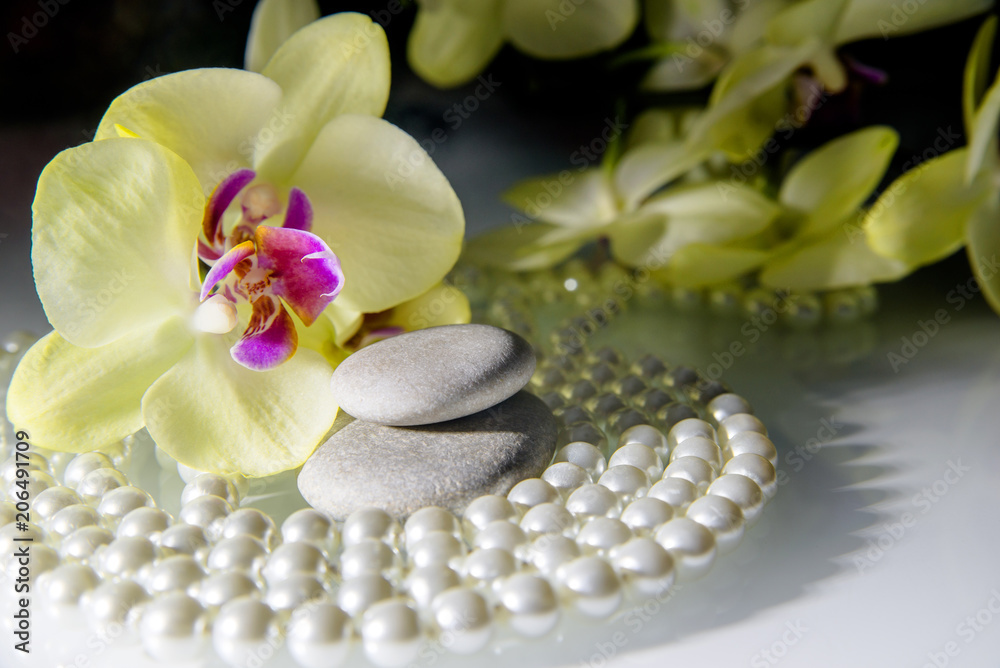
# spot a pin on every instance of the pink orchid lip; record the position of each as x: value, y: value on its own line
x: 270, y: 338
x: 218, y: 202
x: 280, y: 266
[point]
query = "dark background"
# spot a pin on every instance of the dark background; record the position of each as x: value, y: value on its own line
x: 57, y: 85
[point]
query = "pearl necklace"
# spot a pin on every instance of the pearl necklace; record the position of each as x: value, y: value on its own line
x: 690, y: 470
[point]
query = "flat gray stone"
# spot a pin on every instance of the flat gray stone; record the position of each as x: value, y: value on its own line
x: 433, y: 375
x: 403, y: 469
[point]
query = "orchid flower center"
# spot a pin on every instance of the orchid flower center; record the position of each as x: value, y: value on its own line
x: 265, y: 266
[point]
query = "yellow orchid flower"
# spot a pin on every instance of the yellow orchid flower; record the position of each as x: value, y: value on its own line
x: 749, y: 99
x: 638, y: 202
x: 951, y: 200
x: 213, y: 198
x: 453, y: 40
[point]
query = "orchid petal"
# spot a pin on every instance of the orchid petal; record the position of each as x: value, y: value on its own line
x: 345, y: 322
x: 648, y: 167
x: 337, y: 65
x: 808, y: 18
x: 452, y: 42
x: 568, y: 199
x: 864, y: 19
x: 299, y: 214
x: 443, y: 304
x: 830, y: 183
x: 698, y: 265
x: 224, y: 266
x: 922, y: 217
x: 114, y: 225
x: 396, y: 233
x: 270, y: 338
x: 212, y: 118
x: 977, y: 71
x: 74, y: 399
x: 527, y: 246
x: 834, y: 261
x: 982, y: 154
x: 211, y: 414
x: 273, y: 22
x: 547, y: 29
x: 984, y: 244
x: 219, y: 201
x: 304, y: 271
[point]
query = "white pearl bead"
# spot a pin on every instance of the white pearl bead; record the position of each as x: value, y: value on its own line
x: 250, y: 522
x: 485, y: 510
x: 488, y: 565
x: 360, y: 593
x: 391, y: 634
x: 548, y: 553
x: 121, y: 501
x: 218, y: 589
x: 52, y: 500
x: 82, y: 465
x: 585, y: 455
x: 728, y: 404
x: 593, y: 584
x: 640, y: 456
x: 700, y: 447
x: 367, y: 556
x: 628, y: 482
x: 184, y: 539
x: 738, y: 423
x: 319, y: 635
x: 210, y: 484
x: 9, y: 468
x: 243, y: 627
x: 720, y: 516
x: 691, y: 545
x: 600, y: 534
x: 9, y: 533
x: 689, y: 428
x: 423, y: 584
x: 34, y: 484
x: 566, y: 477
x: 757, y: 469
x: 120, y: 453
x: 429, y: 519
x: 41, y: 559
x: 64, y: 585
x: 71, y: 518
x: 647, y: 568
x: 8, y: 512
x: 125, y: 557
x: 645, y: 514
x: 173, y: 628
x: 678, y: 493
x: 243, y: 553
x: 207, y: 512
x: 143, y: 522
x: 85, y: 542
x: 464, y: 619
x: 503, y: 534
x: 178, y: 572
x: 99, y: 482
x: 436, y: 547
x: 548, y: 518
x: 693, y: 469
x: 647, y: 435
x: 531, y: 602
x: 532, y: 492
x: 112, y: 609
x: 594, y: 501
x: 293, y: 591
x: 750, y: 442
x: 310, y: 526
x: 742, y: 491
x: 370, y: 523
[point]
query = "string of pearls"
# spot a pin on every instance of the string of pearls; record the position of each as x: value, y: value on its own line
x: 658, y: 472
